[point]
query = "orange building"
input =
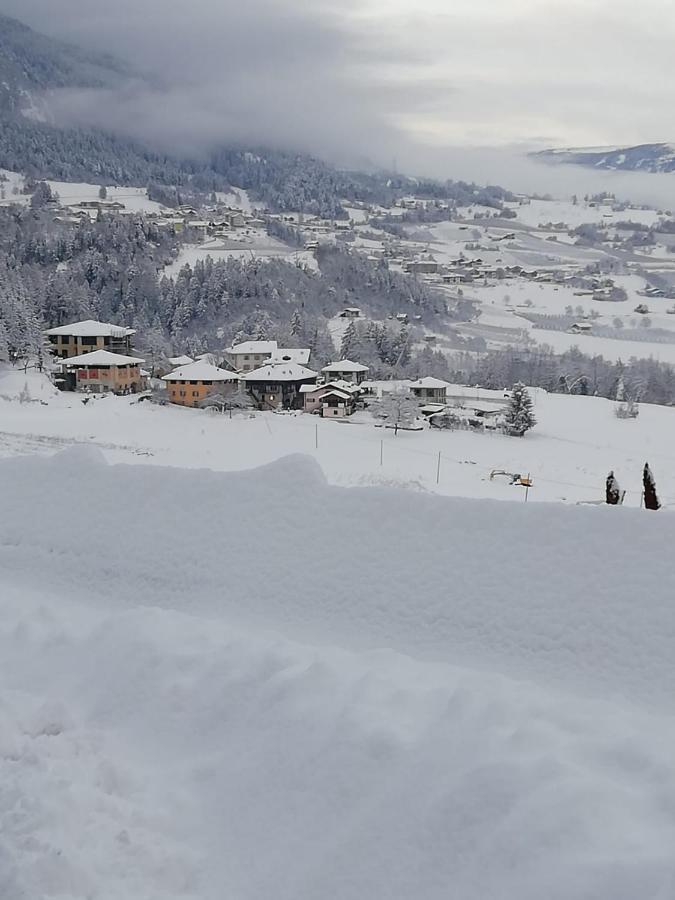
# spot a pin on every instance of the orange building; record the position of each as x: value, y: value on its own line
x: 189, y: 385
x: 104, y: 372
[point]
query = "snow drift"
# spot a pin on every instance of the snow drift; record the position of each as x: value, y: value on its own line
x: 256, y: 685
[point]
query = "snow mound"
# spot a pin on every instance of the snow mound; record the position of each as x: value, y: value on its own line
x: 257, y: 685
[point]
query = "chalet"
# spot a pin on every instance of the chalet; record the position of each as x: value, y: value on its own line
x: 277, y: 385
x: 430, y: 390
x: 336, y: 399
x: 83, y: 337
x: 188, y: 385
x: 102, y: 372
x: 249, y: 355
x: 345, y: 370
x: 580, y: 328
x: 350, y: 312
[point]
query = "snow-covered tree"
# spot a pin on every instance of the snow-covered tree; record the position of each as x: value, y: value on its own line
x: 398, y: 408
x: 350, y: 342
x: 613, y: 494
x: 649, y: 489
x: 519, y: 416
x: 103, y: 192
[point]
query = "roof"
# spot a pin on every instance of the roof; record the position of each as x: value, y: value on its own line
x: 253, y: 347
x: 200, y: 371
x: 102, y: 358
x: 300, y: 355
x: 429, y: 383
x: 180, y: 360
x: 90, y: 328
x: 343, y: 386
x: 335, y: 392
x: 282, y: 371
x: 345, y: 365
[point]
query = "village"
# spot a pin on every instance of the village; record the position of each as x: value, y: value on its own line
x: 97, y: 358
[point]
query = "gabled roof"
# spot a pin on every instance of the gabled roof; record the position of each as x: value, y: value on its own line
x: 180, y: 360
x: 253, y: 347
x: 345, y: 365
x: 344, y: 386
x: 429, y: 383
x: 278, y: 372
x: 200, y: 371
x: 297, y: 355
x: 91, y: 328
x: 102, y: 358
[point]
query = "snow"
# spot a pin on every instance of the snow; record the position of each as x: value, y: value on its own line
x: 200, y: 371
x: 135, y: 199
x: 576, y: 442
x: 247, y: 246
x: 91, y: 328
x: 254, y: 347
x: 102, y: 358
x: 345, y: 365
x: 457, y: 698
x: 279, y: 371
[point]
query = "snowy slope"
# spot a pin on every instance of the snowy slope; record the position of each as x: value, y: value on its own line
x: 453, y: 699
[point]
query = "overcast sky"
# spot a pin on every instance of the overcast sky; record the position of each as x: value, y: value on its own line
x: 380, y: 79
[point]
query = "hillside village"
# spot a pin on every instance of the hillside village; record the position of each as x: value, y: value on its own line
x: 96, y: 358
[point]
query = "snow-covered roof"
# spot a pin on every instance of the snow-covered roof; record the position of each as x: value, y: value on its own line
x: 297, y: 355
x: 345, y: 365
x: 253, y: 347
x: 344, y: 386
x: 200, y: 371
x: 180, y: 360
x: 429, y: 383
x: 102, y: 358
x: 90, y: 328
x: 277, y: 372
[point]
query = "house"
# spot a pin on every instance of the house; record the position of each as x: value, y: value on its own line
x: 345, y: 370
x: 298, y: 355
x: 430, y: 390
x: 102, y: 372
x: 249, y: 355
x: 180, y: 361
x: 336, y: 399
x: 580, y: 328
x: 190, y: 384
x: 421, y: 267
x: 277, y: 385
x: 350, y: 312
x: 83, y: 337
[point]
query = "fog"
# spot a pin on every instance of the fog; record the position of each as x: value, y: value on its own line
x: 459, y: 90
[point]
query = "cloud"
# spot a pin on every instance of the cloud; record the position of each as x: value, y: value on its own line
x: 423, y: 81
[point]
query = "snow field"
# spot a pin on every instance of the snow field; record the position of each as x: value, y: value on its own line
x: 256, y: 684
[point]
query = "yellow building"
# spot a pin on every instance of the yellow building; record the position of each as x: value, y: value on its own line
x: 189, y: 385
x: 84, y: 337
x: 102, y: 372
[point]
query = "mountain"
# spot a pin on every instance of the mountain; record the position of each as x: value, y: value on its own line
x: 31, y: 64
x: 640, y: 158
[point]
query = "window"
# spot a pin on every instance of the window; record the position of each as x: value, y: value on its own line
x: 65, y: 339
x: 193, y: 382
x: 195, y: 393
x: 89, y: 340
x: 247, y: 357
x: 182, y: 393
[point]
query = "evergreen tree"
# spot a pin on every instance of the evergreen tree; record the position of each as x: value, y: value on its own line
x: 350, y: 342
x: 649, y: 489
x: 103, y: 192
x: 612, y: 490
x: 520, y: 416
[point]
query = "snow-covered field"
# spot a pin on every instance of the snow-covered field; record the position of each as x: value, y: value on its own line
x: 135, y: 199
x: 257, y: 685
x: 252, y: 245
x: 576, y: 442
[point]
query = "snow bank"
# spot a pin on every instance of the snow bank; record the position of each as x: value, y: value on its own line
x: 198, y: 701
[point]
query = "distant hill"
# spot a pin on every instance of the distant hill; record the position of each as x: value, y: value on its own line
x: 31, y: 63
x: 641, y: 158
